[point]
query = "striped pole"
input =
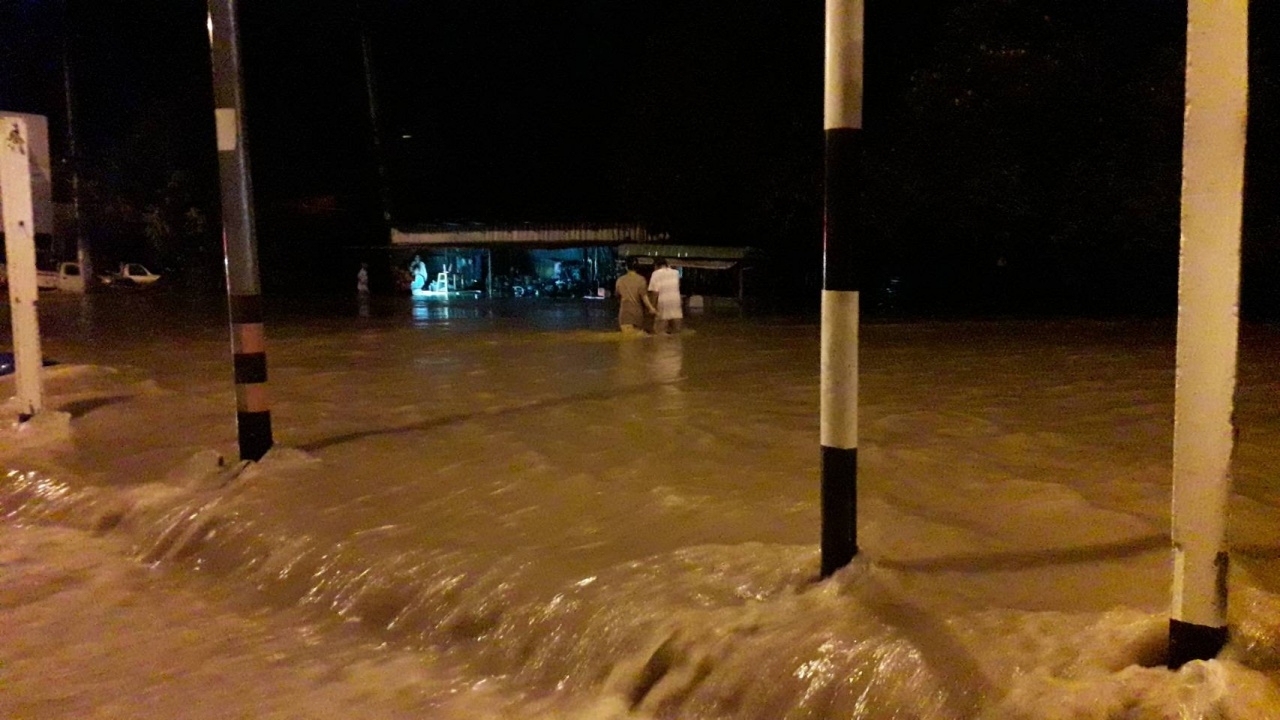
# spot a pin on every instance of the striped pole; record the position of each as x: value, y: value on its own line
x: 839, y: 367
x: 20, y: 252
x: 248, y: 339
x: 1208, y: 324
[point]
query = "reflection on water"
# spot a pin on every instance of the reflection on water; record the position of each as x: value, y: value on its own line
x: 506, y: 313
x: 630, y: 368
x: 87, y: 316
x: 160, y: 314
x: 668, y: 363
x: 427, y: 311
x: 654, y: 362
x: 668, y: 359
x: 649, y: 359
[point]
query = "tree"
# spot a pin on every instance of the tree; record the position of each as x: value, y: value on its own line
x: 1033, y: 139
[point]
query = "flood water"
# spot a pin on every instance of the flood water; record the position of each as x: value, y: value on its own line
x: 510, y: 510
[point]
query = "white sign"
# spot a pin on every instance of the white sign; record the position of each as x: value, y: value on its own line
x: 41, y: 173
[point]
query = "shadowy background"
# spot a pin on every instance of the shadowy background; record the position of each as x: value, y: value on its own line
x: 1024, y: 155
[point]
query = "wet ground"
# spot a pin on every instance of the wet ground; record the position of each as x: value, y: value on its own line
x: 541, y: 517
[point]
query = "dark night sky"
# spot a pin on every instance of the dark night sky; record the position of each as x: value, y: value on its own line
x: 1045, y: 132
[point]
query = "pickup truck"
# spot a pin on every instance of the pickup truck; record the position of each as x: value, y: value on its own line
x: 130, y: 274
x: 67, y: 278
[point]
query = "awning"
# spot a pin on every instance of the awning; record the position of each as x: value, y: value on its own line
x: 692, y: 263
x: 520, y: 234
x: 684, y: 254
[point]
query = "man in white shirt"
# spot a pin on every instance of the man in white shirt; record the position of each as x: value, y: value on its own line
x: 665, y: 281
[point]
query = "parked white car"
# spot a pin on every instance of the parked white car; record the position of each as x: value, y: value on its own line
x: 130, y: 274
x: 67, y: 278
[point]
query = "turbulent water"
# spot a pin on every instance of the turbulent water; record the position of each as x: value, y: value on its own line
x: 509, y: 510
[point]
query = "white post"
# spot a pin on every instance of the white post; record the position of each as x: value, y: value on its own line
x: 1208, y: 322
x: 20, y: 250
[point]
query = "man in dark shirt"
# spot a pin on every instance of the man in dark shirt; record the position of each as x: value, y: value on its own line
x: 633, y: 297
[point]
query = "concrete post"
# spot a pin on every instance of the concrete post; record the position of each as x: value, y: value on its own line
x: 20, y: 254
x: 1208, y: 323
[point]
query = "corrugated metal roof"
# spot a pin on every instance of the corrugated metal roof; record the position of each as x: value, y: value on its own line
x: 519, y: 234
x: 684, y: 252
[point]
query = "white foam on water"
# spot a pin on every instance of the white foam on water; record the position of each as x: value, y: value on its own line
x: 469, y: 523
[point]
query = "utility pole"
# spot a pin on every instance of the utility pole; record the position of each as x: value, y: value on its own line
x: 83, y: 256
x: 842, y: 119
x: 1208, y: 322
x: 244, y: 295
x: 375, y: 116
x: 20, y: 253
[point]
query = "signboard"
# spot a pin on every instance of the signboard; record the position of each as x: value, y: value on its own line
x: 41, y: 173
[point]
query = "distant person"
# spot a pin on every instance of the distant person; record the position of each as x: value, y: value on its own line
x: 665, y: 281
x: 633, y: 300
x: 418, y: 270
x: 362, y: 279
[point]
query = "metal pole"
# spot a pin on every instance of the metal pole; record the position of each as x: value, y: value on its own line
x: 20, y: 253
x: 248, y: 338
x: 1208, y: 323
x: 840, y: 283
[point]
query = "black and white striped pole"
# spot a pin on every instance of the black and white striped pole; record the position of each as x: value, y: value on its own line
x: 1208, y: 322
x: 842, y: 114
x: 248, y: 338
